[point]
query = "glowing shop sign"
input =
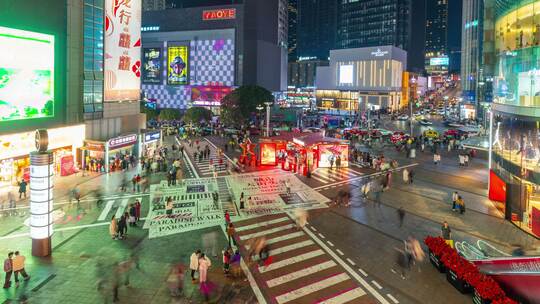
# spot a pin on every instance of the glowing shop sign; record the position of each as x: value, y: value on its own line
x: 219, y: 14
x: 41, y: 201
x: 379, y: 53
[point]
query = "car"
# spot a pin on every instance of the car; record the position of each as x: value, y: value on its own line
x: 425, y: 122
x: 431, y: 133
x: 403, y: 117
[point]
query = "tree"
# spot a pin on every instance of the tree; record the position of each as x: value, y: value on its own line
x: 196, y: 114
x: 169, y: 114
x: 238, y: 105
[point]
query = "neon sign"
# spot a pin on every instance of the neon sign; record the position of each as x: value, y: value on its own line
x: 219, y: 14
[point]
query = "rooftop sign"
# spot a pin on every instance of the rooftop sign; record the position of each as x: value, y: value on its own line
x: 219, y: 14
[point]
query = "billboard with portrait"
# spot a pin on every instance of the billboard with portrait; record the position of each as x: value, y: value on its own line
x: 151, y: 71
x: 122, y: 50
x: 177, y: 65
x: 26, y: 75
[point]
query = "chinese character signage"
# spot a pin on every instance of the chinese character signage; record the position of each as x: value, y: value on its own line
x: 219, y: 14
x: 122, y: 50
x: 152, y: 63
x: 122, y: 141
x: 209, y: 95
x: 177, y: 65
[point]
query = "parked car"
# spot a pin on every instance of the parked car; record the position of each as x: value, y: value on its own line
x: 425, y: 122
x: 403, y: 117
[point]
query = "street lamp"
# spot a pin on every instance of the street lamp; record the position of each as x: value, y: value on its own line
x: 268, y: 104
x: 259, y: 109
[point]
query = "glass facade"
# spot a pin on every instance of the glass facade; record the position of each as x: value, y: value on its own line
x: 516, y: 96
x: 93, y: 59
x: 373, y: 23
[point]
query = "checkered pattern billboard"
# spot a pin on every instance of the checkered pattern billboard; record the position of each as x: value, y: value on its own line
x: 212, y: 62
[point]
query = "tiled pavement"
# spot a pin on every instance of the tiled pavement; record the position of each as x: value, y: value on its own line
x: 300, y: 271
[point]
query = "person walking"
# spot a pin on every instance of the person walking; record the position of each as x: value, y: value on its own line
x: 22, y: 189
x: 194, y: 264
x: 331, y: 162
x: 122, y: 227
x: 338, y: 162
x: 227, y: 218
x: 137, y: 210
x: 134, y: 182
x: 411, y: 176
x: 454, y: 200
x: 405, y: 176
x: 401, y: 216
x: 132, y: 215
x: 242, y: 200
x: 230, y: 233
x: 18, y: 267
x: 138, y: 182
x: 204, y: 264
x: 8, y: 269
x: 113, y: 228
x: 461, y: 205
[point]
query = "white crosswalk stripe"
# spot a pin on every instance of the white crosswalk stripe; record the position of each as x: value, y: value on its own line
x: 346, y: 296
x: 265, y: 232
x: 325, y: 175
x: 262, y: 224
x: 287, y: 248
x: 121, y: 209
x: 298, y: 293
x: 106, y: 210
x: 290, y: 261
x: 300, y: 273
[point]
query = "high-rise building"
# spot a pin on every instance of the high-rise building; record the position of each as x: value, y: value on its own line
x: 436, y: 56
x: 316, y: 28
x: 292, y: 32
x: 374, y: 23
x: 153, y: 5
x: 471, y: 48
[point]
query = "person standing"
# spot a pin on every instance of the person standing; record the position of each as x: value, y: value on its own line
x: 331, y: 162
x: 227, y: 218
x: 411, y: 176
x: 461, y: 205
x: 18, y: 267
x: 8, y: 269
x: 338, y: 162
x: 204, y: 264
x: 446, y: 231
x: 132, y: 215
x: 122, y: 227
x: 138, y: 182
x: 134, y: 182
x: 137, y: 210
x: 242, y: 200
x: 405, y: 176
x: 455, y: 197
x: 22, y: 189
x: 194, y: 264
x: 230, y: 234
x: 113, y: 228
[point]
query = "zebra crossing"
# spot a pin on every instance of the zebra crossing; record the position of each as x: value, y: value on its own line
x: 327, y: 175
x: 300, y: 271
x: 116, y: 206
x: 218, y: 164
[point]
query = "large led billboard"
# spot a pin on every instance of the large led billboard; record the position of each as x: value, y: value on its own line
x: 346, y: 74
x: 177, y: 65
x: 152, y: 64
x: 439, y: 61
x: 26, y: 75
x: 122, y: 50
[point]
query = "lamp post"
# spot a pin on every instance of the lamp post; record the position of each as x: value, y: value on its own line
x: 259, y: 109
x: 268, y: 104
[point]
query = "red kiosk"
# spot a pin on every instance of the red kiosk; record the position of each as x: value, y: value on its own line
x: 303, y: 152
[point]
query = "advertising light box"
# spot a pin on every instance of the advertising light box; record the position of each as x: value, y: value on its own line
x: 26, y: 75
x: 346, y: 74
x: 439, y: 61
x: 177, y: 65
x: 151, y: 65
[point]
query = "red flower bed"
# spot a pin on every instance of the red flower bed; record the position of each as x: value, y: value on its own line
x: 485, y: 286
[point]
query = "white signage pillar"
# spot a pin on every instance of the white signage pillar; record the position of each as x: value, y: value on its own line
x: 41, y: 196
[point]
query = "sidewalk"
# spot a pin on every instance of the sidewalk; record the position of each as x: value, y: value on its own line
x: 424, y: 216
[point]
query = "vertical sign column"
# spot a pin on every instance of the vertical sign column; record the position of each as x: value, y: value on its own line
x: 41, y: 202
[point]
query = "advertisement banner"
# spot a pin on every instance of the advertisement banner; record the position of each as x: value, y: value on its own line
x: 208, y: 95
x: 122, y: 50
x: 268, y: 154
x: 26, y: 75
x: 67, y: 165
x: 177, y: 65
x: 330, y: 154
x: 152, y: 64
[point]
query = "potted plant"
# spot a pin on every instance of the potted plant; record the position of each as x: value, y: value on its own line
x: 486, y: 290
x: 436, y: 247
x: 457, y: 269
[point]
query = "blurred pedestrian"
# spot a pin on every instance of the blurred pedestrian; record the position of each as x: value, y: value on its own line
x: 122, y: 227
x: 22, y: 188
x: 461, y: 205
x: 8, y: 269
x: 411, y: 176
x: 230, y: 233
x: 301, y: 216
x: 18, y: 267
x: 113, y: 228
x: 137, y: 210
x: 401, y: 216
x: 175, y: 280
x: 446, y: 232
x: 132, y: 215
x: 204, y: 264
x: 227, y: 255
x: 405, y: 176
x: 194, y: 264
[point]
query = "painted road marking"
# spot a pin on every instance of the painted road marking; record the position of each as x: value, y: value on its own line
x: 265, y: 232
x: 262, y: 224
x: 106, y: 210
x: 282, y: 238
x: 345, y: 297
x: 330, y: 243
x: 392, y: 298
x: 368, y: 287
x: 290, y: 261
x: 322, y: 236
x: 287, y: 248
x: 303, y: 291
x: 300, y: 273
x: 351, y: 262
x: 121, y: 209
x: 313, y: 228
x: 340, y: 252
x: 362, y: 272
x: 376, y: 284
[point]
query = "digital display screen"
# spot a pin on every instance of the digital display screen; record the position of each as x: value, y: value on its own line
x: 26, y: 75
x: 439, y: 61
x: 177, y: 65
x: 346, y: 74
x: 152, y: 64
x: 268, y: 154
